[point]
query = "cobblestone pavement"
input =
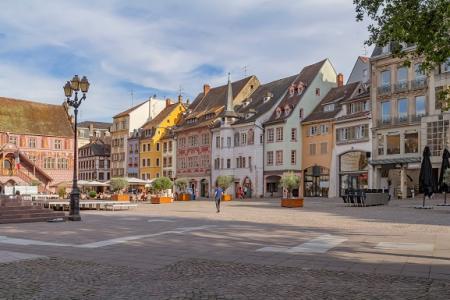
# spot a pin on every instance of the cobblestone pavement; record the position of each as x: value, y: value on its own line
x: 57, y: 278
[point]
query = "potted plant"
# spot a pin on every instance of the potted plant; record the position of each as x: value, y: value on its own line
x: 92, y: 194
x: 117, y: 185
x: 61, y: 192
x: 160, y: 185
x: 290, y: 181
x: 181, y: 185
x: 225, y: 182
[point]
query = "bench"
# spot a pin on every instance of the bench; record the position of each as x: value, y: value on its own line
x: 119, y: 205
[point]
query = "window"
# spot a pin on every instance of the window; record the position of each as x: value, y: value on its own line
x: 293, y: 134
x: 445, y: 67
x: 216, y: 163
x: 420, y: 106
x: 244, y: 138
x: 217, y: 141
x: 165, y: 147
x: 57, y: 144
x: 228, y: 163
x: 385, y: 49
x: 279, y: 157
x: 278, y: 112
x: 148, y: 162
x: 312, y: 149
x: 157, y: 162
x: 261, y: 138
x: 323, y: 148
x: 393, y: 144
x: 279, y: 134
x: 402, y: 75
x: 328, y: 107
x: 411, y: 142
x: 170, y: 146
x: 402, y: 109
x: 143, y: 162
x: 317, y: 91
x: 386, y: 112
x: 419, y: 73
x: 49, y: 163
x: 221, y: 142
x: 236, y: 139
x: 205, y: 139
x: 385, y: 78
x: 157, y: 147
x: 270, y: 135
x: 251, y: 137
x: 293, y: 157
x: 62, y: 163
x: 365, y: 75
x: 437, y: 133
x: 312, y: 130
x: 32, y: 143
x: 301, y: 113
x: 242, y: 162
x: 323, y: 129
x: 229, y: 142
x: 269, y: 158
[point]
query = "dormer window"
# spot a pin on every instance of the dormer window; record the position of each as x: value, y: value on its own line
x: 287, y: 110
x: 328, y: 107
x: 278, y: 112
x: 292, y: 90
x: 300, y: 88
x: 317, y: 91
x: 268, y: 96
x: 301, y: 114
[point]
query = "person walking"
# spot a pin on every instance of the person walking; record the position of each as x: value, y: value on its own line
x: 217, y: 196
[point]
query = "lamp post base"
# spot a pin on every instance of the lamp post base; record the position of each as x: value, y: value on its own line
x: 74, y: 214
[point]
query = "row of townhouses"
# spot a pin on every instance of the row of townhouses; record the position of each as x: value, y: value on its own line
x: 366, y: 133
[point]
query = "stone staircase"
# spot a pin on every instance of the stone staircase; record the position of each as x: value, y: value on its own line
x: 16, y: 210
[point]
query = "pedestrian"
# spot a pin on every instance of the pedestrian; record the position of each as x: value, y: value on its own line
x: 218, y: 195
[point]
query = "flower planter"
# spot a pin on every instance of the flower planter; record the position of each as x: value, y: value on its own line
x: 291, y: 202
x: 161, y: 200
x: 120, y: 197
x: 226, y: 197
x: 184, y: 197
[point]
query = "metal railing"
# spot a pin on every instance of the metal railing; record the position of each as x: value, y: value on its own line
x: 384, y: 89
x: 419, y: 83
x: 401, y: 87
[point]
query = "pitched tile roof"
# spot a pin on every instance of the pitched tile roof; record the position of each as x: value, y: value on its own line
x: 161, y: 116
x: 306, y: 76
x: 27, y: 117
x: 99, y: 125
x: 206, y: 108
x: 259, y: 105
x: 98, y: 148
x: 336, y: 95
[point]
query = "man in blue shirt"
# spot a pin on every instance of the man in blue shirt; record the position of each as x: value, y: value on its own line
x: 217, y: 196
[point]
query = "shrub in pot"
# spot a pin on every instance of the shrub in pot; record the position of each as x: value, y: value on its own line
x: 290, y: 181
x: 224, y: 182
x: 92, y: 194
x: 61, y: 192
x: 117, y: 185
x: 181, y: 185
x: 160, y: 185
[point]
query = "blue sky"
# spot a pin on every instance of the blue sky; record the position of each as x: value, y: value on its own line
x: 156, y: 47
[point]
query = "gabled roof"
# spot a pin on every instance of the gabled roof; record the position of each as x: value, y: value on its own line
x: 336, y: 95
x: 34, y: 118
x: 161, y: 116
x: 98, y: 148
x: 128, y: 111
x: 306, y: 77
x: 258, y: 105
x: 97, y: 125
x: 206, y: 108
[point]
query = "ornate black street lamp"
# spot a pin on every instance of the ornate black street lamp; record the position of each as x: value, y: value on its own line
x: 75, y: 85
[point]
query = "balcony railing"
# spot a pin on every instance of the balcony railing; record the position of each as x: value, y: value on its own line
x: 419, y: 83
x: 401, y: 87
x: 411, y: 119
x: 384, y: 89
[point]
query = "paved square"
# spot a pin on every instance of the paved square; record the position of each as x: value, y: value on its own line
x: 370, y: 243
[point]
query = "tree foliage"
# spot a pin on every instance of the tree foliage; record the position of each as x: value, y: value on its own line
x: 181, y: 184
x: 118, y: 183
x: 224, y: 182
x: 161, y: 184
x: 290, y: 181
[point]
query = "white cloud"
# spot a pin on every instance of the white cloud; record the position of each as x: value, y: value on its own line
x: 159, y: 44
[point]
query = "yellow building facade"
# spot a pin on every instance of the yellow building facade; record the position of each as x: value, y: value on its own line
x: 151, y: 146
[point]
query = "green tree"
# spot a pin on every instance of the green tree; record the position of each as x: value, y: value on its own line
x: 423, y: 23
x: 181, y: 184
x: 290, y: 181
x: 224, y: 182
x: 35, y: 182
x: 118, y: 183
x: 161, y: 184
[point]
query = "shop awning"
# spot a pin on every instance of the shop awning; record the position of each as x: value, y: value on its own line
x: 394, y: 161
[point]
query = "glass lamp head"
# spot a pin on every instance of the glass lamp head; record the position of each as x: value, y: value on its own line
x: 84, y: 84
x: 68, y: 89
x: 75, y: 83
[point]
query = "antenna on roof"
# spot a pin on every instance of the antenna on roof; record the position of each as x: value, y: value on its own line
x: 244, y: 68
x: 132, y: 97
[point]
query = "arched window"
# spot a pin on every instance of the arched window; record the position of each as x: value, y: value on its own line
x: 278, y: 112
x: 287, y: 110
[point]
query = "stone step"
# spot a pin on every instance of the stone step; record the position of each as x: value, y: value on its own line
x: 27, y: 215
x: 22, y: 211
x: 10, y: 208
x: 30, y: 220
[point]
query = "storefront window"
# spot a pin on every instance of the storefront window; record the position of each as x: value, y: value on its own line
x: 411, y: 142
x: 380, y: 139
x: 393, y: 144
x: 354, y: 161
x: 353, y: 171
x: 317, y: 181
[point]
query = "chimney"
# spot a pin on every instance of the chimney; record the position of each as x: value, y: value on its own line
x: 168, y: 102
x: 180, y: 98
x: 340, y: 79
x: 206, y: 88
